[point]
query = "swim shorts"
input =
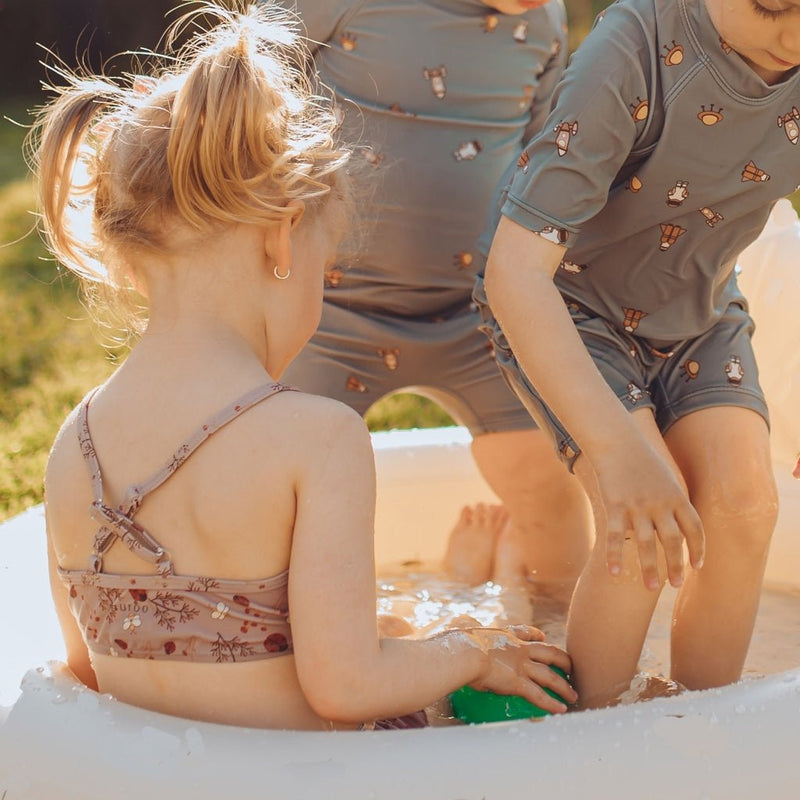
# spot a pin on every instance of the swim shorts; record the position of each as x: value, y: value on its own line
x: 673, y: 379
x: 359, y: 356
x: 419, y: 719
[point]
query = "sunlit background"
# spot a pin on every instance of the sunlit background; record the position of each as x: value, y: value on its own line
x: 50, y: 354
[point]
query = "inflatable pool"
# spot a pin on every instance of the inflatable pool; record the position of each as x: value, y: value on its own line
x: 58, y: 740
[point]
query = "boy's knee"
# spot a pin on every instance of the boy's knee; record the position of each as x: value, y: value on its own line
x: 745, y: 507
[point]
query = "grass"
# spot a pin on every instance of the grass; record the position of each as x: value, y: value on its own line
x: 49, y: 354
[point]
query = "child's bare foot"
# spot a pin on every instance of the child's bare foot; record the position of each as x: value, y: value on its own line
x: 509, y: 557
x: 649, y: 687
x: 471, y: 547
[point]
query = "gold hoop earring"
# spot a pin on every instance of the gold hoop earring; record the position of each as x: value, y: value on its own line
x: 278, y: 274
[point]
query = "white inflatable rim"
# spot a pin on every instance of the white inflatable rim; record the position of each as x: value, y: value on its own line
x: 59, y: 739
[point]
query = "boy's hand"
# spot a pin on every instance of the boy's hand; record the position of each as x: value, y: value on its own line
x: 643, y: 500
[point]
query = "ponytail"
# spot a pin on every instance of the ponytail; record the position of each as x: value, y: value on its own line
x: 228, y: 130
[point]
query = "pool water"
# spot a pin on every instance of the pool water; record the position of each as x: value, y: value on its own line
x: 416, y: 594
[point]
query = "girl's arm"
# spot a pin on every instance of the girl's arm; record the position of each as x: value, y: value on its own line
x: 77, y: 653
x: 639, y: 491
x: 347, y: 673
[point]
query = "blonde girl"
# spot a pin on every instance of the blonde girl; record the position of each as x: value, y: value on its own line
x: 214, y: 189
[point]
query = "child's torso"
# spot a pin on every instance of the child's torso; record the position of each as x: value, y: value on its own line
x: 441, y: 94
x: 168, y: 616
x: 715, y: 148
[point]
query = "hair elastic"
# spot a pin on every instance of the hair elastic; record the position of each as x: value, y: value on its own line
x: 278, y: 275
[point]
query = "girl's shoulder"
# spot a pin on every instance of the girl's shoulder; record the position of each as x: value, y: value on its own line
x: 65, y: 450
x: 299, y: 426
x: 66, y: 478
x: 321, y: 418
x: 317, y: 445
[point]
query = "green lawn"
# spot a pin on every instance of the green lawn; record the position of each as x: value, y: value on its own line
x: 49, y: 354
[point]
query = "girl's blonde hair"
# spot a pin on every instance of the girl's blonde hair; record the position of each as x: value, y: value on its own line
x: 227, y: 130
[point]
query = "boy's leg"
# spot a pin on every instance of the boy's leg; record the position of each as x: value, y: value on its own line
x: 609, y: 617
x: 358, y: 357
x: 723, y: 453
x: 549, y: 510
x: 714, y: 422
x: 547, y: 504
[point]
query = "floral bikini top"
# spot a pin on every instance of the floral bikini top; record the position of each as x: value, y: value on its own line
x: 168, y: 616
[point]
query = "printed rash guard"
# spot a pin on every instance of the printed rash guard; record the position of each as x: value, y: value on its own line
x: 441, y: 96
x: 660, y: 162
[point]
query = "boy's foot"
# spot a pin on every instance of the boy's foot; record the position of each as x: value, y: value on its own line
x: 471, y: 547
x: 509, y: 557
x: 649, y: 687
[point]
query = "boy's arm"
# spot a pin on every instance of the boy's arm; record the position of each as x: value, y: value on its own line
x: 571, y: 164
x: 563, y: 181
x: 639, y: 491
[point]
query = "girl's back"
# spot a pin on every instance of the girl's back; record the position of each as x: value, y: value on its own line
x: 205, y: 517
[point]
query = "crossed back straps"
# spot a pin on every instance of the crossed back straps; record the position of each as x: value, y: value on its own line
x: 119, y: 523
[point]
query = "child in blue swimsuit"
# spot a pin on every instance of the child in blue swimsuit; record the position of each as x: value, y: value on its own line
x: 442, y: 96
x: 614, y: 311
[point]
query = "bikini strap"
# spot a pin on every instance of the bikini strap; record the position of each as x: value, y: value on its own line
x: 114, y: 524
x: 136, y: 493
x: 118, y: 523
x: 87, y: 446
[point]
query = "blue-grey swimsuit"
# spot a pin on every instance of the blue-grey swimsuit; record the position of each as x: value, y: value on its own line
x: 441, y: 96
x: 660, y: 162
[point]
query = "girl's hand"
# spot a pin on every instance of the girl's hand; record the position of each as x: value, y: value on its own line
x: 518, y: 662
x: 642, y: 499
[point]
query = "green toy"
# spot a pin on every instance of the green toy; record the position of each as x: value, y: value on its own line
x: 473, y: 706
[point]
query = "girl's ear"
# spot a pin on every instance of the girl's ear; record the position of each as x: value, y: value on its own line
x: 298, y: 209
x: 278, y: 238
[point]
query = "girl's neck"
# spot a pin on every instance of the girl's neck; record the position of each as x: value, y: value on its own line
x: 191, y: 354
